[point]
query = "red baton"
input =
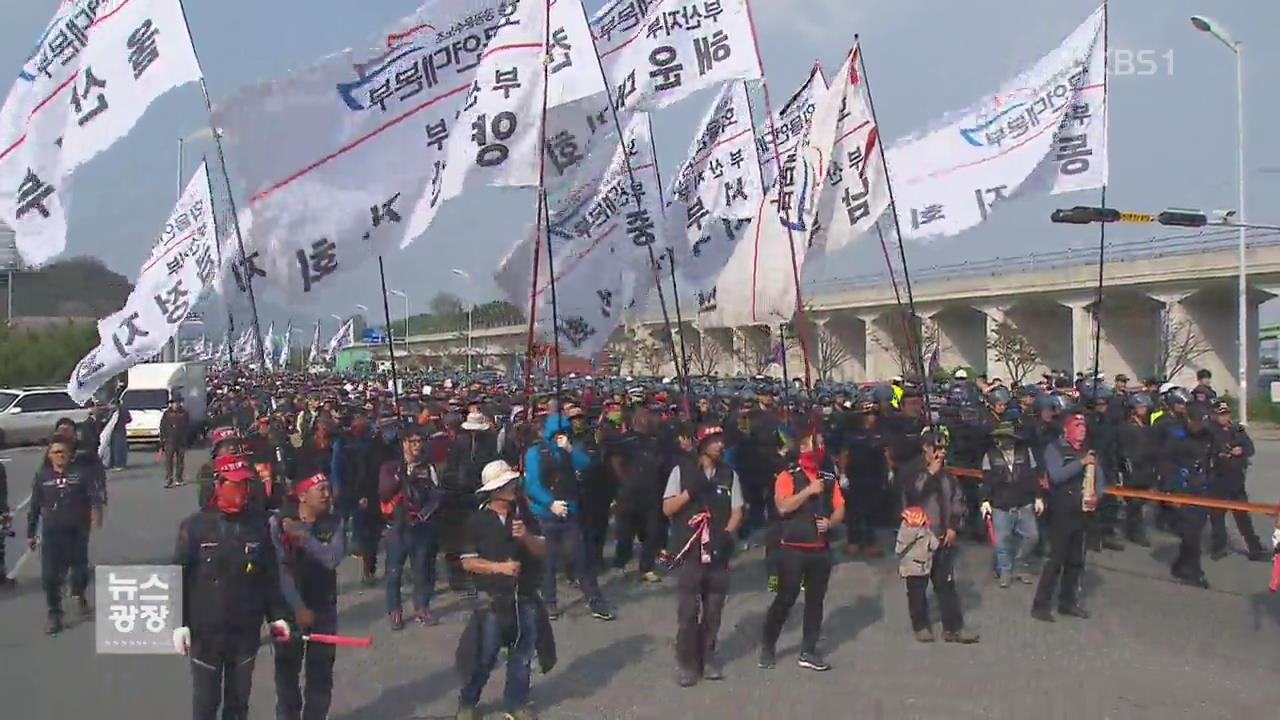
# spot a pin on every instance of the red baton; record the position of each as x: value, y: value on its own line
x: 342, y: 640
x: 991, y: 531
x: 1275, y: 573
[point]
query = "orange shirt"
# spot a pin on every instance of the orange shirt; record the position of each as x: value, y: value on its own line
x: 785, y: 486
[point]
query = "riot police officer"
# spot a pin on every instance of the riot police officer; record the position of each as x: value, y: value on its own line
x: 1136, y: 455
x: 1228, y: 462
x: 1186, y: 452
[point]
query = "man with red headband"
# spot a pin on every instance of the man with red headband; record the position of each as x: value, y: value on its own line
x: 230, y: 585
x: 1066, y: 461
x: 310, y: 543
x: 703, y: 499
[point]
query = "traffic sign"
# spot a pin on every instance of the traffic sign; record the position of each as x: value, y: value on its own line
x: 1136, y: 217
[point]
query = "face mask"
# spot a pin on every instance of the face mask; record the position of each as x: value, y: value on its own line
x: 811, y: 460
x: 230, y: 496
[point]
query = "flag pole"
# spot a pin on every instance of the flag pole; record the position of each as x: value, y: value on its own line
x: 654, y: 266
x: 777, y: 159
x: 555, y: 310
x: 1102, y: 227
x: 391, y: 346
x: 217, y: 248
x: 684, y: 354
x: 231, y: 200
x: 541, y: 209
x: 897, y: 226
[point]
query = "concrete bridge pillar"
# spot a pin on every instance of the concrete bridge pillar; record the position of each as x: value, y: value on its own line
x: 992, y: 316
x: 962, y: 337
x: 842, y: 347
x: 1178, y: 327
x: 877, y: 363
x: 1082, y: 328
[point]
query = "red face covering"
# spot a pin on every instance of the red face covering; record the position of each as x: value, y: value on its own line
x: 231, y: 492
x: 1074, y: 431
x: 811, y: 460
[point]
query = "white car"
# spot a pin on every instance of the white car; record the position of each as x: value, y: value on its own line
x: 27, y: 415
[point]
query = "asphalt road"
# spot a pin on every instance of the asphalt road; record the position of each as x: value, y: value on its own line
x: 1153, y: 649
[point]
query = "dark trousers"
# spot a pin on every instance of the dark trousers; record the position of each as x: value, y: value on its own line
x: 316, y: 660
x: 862, y: 512
x: 366, y: 531
x: 175, y: 464
x: 1134, y: 524
x: 417, y: 543
x: 640, y: 518
x: 942, y: 575
x: 564, y: 548
x: 1189, y: 525
x: 523, y: 649
x: 811, y: 568
x: 1244, y: 524
x: 701, y: 591
x: 222, y: 673
x: 756, y: 494
x: 595, y: 523
x: 64, y: 553
x: 1065, y: 562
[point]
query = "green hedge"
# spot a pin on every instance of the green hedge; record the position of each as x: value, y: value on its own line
x: 43, y: 356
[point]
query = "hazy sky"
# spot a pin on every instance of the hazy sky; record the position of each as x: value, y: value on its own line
x: 1173, y: 133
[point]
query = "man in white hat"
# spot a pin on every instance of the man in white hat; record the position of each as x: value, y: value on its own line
x: 503, y: 556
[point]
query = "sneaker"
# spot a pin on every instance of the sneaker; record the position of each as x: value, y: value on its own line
x: 425, y: 617
x: 686, y: 677
x: 524, y: 713
x: 651, y: 577
x: 1042, y: 614
x: 1254, y: 556
x: 467, y: 712
x: 1005, y: 580
x: 601, y: 611
x: 53, y: 625
x: 396, y: 618
x: 1074, y: 610
x: 712, y: 668
x: 81, y: 606
x: 813, y: 661
x: 924, y: 635
x: 768, y: 658
x: 963, y: 637
x: 553, y: 612
x: 6, y: 582
x: 169, y: 483
x: 1024, y: 578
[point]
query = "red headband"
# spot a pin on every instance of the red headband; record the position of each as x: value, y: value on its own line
x: 307, y: 483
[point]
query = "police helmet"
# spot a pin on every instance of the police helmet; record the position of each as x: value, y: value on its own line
x: 1140, y: 399
x: 997, y: 396
x: 1176, y: 396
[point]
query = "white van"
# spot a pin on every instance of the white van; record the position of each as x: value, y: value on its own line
x: 150, y: 387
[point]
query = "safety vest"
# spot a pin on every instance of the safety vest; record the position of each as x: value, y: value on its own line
x: 897, y: 395
x: 1155, y: 416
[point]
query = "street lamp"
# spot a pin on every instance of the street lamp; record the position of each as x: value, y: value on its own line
x: 400, y: 294
x: 471, y: 306
x: 1214, y: 28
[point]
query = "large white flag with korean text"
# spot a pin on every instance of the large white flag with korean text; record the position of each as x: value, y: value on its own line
x: 345, y: 337
x: 657, y: 52
x: 855, y: 190
x: 600, y: 234
x: 1049, y: 122
x: 339, y: 158
x: 97, y: 67
x: 790, y: 123
x: 176, y: 273
x: 716, y: 189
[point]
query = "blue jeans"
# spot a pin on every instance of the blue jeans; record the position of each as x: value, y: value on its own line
x: 417, y: 543
x: 519, y: 659
x: 1016, y: 536
x: 564, y: 541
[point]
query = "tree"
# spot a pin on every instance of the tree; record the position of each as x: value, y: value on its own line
x: 755, y: 358
x: 903, y: 348
x: 43, y: 355
x: 1013, y: 350
x: 447, y: 305
x: 1179, y: 345
x: 829, y: 354
x: 705, y: 355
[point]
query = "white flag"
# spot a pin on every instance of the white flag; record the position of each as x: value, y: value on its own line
x: 97, y: 67
x: 166, y: 291
x: 717, y: 189
x: 1050, y: 118
x: 658, y: 53
x: 314, y: 353
x: 340, y: 156
x: 790, y: 123
x: 600, y: 234
x: 345, y: 337
x: 856, y: 190
x: 282, y: 361
x: 269, y: 344
x: 246, y: 349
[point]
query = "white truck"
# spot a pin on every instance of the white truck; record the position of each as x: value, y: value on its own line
x: 150, y: 387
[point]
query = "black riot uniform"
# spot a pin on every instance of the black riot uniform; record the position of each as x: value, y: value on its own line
x: 1136, y: 457
x: 6, y: 523
x: 1101, y: 525
x: 1228, y: 461
x: 867, y: 471
x: 230, y: 585
x: 1186, y: 451
x: 308, y: 579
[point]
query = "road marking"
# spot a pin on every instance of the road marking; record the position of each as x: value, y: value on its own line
x: 21, y: 561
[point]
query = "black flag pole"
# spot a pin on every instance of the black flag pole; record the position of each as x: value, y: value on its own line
x: 541, y: 210
x: 684, y: 353
x: 1102, y: 227
x: 555, y: 310
x: 391, y: 345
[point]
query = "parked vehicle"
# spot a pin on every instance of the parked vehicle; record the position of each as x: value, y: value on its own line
x: 150, y: 387
x: 27, y: 415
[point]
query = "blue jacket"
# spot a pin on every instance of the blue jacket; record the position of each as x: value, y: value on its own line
x: 540, y: 498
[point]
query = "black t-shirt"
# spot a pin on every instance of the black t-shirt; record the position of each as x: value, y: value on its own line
x: 489, y: 538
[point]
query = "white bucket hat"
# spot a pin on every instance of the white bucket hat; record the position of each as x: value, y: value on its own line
x: 496, y: 475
